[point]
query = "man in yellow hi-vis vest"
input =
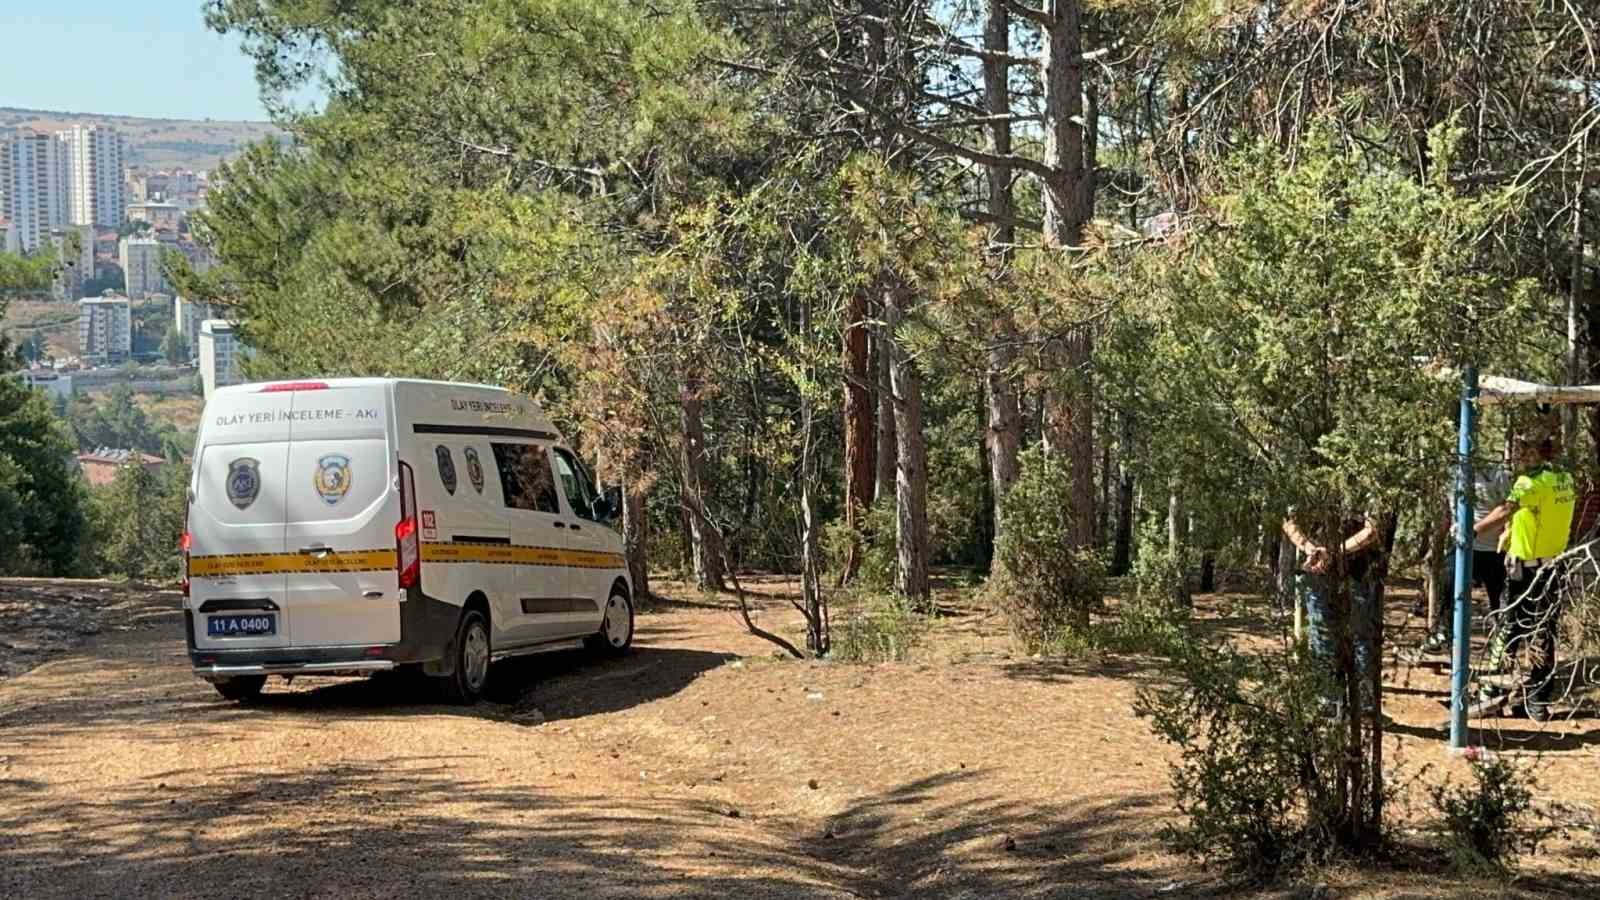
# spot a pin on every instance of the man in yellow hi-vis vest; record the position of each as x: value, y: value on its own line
x: 1540, y: 507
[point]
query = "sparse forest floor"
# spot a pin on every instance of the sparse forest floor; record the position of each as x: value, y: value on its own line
x: 701, y: 765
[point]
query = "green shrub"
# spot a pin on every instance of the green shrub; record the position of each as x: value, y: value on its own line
x: 875, y: 532
x: 1487, y: 822
x: 873, y: 627
x: 1160, y: 574
x: 1044, y: 587
x: 1257, y: 781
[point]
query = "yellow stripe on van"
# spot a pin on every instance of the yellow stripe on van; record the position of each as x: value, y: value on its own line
x: 519, y: 554
x: 290, y: 563
x: 381, y: 560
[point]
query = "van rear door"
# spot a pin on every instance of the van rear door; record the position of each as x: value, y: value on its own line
x: 341, y: 511
x: 236, y: 524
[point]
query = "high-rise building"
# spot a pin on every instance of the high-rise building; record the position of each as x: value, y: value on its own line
x: 95, y: 157
x: 75, y: 260
x: 220, y: 355
x: 33, y: 187
x: 105, y: 330
x: 186, y: 317
x: 9, y: 241
x: 141, y: 267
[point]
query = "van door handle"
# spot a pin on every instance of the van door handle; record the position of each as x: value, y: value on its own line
x: 577, y: 528
x: 318, y: 552
x: 561, y: 524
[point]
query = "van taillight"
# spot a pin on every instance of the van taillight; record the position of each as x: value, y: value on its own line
x: 284, y: 386
x: 184, y: 543
x: 408, y: 551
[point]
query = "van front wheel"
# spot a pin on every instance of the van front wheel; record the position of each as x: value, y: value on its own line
x: 241, y: 688
x: 615, y: 636
x: 465, y: 684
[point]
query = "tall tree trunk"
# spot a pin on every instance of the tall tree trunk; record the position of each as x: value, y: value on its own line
x: 1068, y: 206
x: 706, y: 539
x: 888, y: 443
x: 1003, y: 437
x: 1122, y: 543
x: 1177, y: 544
x: 810, y: 552
x: 636, y: 536
x: 911, y: 469
x: 1569, y: 412
x: 859, y: 453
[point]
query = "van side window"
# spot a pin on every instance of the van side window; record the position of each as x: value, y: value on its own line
x: 575, y: 481
x: 525, y: 477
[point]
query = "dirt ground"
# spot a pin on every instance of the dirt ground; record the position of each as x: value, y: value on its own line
x: 699, y: 766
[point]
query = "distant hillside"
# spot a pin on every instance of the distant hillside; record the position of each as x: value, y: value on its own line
x: 154, y: 143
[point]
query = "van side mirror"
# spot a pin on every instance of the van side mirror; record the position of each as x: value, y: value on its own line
x: 608, y: 506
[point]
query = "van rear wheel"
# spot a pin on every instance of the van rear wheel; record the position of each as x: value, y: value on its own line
x: 241, y: 688
x: 465, y: 685
x: 615, y: 636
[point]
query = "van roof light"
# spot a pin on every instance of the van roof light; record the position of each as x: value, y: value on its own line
x: 282, y: 386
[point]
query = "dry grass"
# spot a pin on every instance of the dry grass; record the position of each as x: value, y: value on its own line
x: 963, y: 771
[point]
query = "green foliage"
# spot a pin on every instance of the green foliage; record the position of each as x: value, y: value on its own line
x: 1488, y: 822
x: 137, y: 521
x: 39, y: 492
x: 1258, y: 776
x: 1044, y: 587
x: 1160, y: 573
x: 873, y: 626
x: 175, y: 346
x: 117, y: 421
x: 875, y: 547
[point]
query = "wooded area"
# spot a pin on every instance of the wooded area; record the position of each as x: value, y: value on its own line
x: 853, y: 289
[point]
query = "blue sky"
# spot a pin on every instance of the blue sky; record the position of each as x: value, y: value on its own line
x: 156, y: 58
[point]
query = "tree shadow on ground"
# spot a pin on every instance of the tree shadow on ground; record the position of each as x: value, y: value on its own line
x: 408, y: 826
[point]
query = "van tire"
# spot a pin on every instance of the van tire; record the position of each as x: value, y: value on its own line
x: 614, y: 641
x: 465, y: 685
x: 241, y: 688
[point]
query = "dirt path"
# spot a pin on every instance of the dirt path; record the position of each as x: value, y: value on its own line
x: 700, y: 766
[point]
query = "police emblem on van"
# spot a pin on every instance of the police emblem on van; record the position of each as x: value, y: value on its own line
x: 244, y: 481
x: 332, y: 479
x: 447, y: 468
x: 474, y: 468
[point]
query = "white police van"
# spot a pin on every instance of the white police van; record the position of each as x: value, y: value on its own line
x: 355, y: 525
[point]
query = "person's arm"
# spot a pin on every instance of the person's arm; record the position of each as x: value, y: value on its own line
x: 1362, y: 540
x: 1316, y: 555
x: 1495, y: 518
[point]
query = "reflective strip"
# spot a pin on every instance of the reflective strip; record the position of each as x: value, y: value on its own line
x: 384, y: 560
x: 287, y: 563
x: 519, y: 554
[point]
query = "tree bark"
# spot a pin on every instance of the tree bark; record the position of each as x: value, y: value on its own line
x: 888, y: 443
x: 705, y: 537
x: 810, y: 552
x: 859, y: 434
x: 1122, y: 542
x: 1003, y: 437
x: 1177, y: 541
x: 911, y: 469
x: 636, y: 536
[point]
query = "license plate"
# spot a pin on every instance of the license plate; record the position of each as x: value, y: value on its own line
x: 242, y: 626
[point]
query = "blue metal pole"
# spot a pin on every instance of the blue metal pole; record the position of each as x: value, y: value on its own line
x: 1463, y: 586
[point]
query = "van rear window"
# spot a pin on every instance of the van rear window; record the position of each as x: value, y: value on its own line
x: 526, y: 478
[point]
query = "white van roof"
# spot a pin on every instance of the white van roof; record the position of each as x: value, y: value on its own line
x: 445, y: 401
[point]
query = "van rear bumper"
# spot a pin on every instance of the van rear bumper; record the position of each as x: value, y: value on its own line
x: 354, y: 667
x: 427, y: 631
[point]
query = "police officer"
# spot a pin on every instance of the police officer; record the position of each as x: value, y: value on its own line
x: 1539, y: 508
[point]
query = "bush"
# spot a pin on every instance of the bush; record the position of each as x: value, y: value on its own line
x: 875, y: 532
x: 874, y: 627
x: 1044, y: 587
x: 1487, y: 822
x: 1258, y: 776
x: 1160, y: 574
